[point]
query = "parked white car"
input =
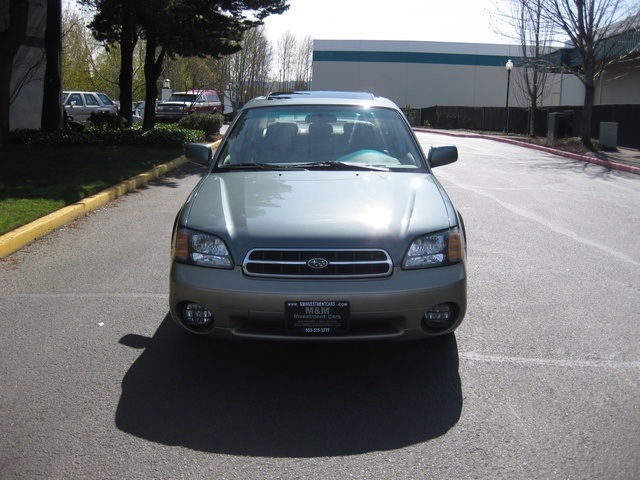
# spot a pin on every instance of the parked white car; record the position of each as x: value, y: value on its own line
x: 80, y: 105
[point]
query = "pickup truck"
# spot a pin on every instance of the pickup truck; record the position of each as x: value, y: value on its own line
x: 185, y: 103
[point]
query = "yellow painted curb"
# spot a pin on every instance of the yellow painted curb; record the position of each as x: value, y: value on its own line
x: 23, y: 236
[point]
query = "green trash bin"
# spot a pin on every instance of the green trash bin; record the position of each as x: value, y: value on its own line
x: 609, y: 135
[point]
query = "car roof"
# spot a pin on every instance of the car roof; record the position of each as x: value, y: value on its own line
x: 80, y: 91
x: 196, y: 91
x: 320, y: 97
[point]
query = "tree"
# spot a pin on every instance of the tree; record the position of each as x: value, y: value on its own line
x: 247, y: 73
x: 15, y: 17
x: 128, y: 41
x: 115, y: 24
x: 302, y: 78
x: 173, y: 28
x: 89, y: 65
x: 523, y: 22
x: 255, y: 78
x: 191, y: 73
x: 535, y: 35
x: 77, y: 51
x: 51, y: 110
x: 286, y: 53
x: 294, y: 61
x: 592, y: 27
x: 197, y: 28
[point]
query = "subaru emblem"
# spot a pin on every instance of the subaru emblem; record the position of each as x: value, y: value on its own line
x: 318, y: 263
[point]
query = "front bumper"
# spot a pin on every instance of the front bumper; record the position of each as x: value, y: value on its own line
x: 169, y: 116
x: 382, y: 308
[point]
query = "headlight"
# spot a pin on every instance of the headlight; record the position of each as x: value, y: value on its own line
x: 200, y: 249
x: 435, y: 250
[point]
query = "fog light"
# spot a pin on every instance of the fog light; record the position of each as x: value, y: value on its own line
x: 196, y: 315
x: 439, y: 316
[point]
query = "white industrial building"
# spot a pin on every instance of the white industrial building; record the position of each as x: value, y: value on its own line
x: 425, y: 74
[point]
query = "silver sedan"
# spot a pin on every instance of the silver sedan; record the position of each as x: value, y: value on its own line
x: 319, y: 219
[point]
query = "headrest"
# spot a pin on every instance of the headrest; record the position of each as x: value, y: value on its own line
x: 321, y: 118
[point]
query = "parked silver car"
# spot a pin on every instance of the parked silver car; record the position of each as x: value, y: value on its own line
x: 80, y: 105
x: 319, y: 219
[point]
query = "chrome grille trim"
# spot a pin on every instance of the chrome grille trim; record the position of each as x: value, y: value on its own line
x: 293, y: 263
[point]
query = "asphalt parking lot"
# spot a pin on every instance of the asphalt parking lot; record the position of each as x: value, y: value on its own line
x: 542, y: 380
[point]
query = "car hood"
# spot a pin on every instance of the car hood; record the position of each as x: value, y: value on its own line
x: 309, y: 209
x: 173, y: 104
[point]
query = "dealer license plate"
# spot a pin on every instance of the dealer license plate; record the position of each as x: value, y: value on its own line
x: 314, y: 317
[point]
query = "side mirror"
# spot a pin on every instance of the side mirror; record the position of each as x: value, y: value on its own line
x: 439, y: 156
x: 200, y: 153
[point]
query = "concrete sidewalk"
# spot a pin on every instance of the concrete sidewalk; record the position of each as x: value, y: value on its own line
x: 623, y: 159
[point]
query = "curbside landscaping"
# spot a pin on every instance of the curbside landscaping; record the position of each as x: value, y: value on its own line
x: 23, y: 236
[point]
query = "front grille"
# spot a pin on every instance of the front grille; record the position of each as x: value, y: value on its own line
x: 296, y: 263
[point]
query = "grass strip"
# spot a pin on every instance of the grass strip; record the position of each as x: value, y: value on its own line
x: 35, y: 182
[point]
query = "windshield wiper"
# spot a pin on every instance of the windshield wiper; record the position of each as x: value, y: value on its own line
x: 336, y: 165
x: 250, y: 165
x: 329, y: 165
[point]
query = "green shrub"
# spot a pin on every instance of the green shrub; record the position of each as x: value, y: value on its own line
x: 165, y: 135
x: 412, y: 114
x: 114, y: 136
x: 171, y: 135
x: 209, y: 123
x: 22, y: 136
x: 447, y: 121
x: 38, y: 138
x: 107, y: 120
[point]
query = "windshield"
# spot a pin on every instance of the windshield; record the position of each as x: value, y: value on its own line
x: 182, y: 97
x: 106, y: 100
x: 320, y: 136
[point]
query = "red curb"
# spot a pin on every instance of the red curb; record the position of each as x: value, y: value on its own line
x: 574, y: 156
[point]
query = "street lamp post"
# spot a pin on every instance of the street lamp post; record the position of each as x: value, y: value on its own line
x: 509, y: 67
